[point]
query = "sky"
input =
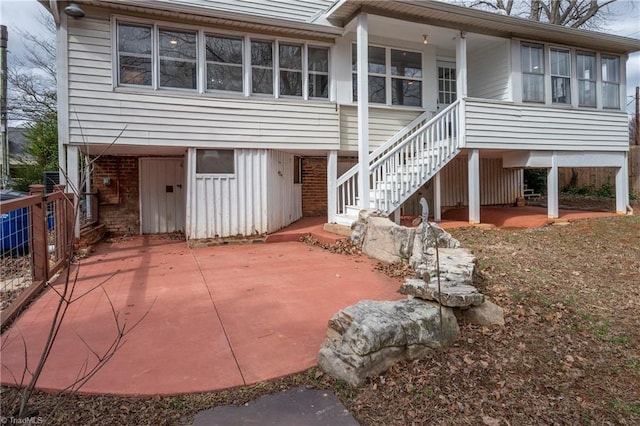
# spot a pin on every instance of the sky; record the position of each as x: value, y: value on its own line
x: 624, y: 21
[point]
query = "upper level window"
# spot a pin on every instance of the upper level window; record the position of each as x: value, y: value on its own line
x: 318, y: 72
x: 290, y: 58
x: 403, y: 72
x: 610, y: 81
x: 406, y: 75
x: 532, y: 72
x: 134, y: 54
x: 262, y: 67
x: 586, y: 69
x: 156, y: 56
x: 560, y: 67
x: 178, y: 59
x: 224, y: 63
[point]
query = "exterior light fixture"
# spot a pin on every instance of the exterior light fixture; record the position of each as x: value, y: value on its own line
x: 74, y: 11
x: 173, y: 42
x: 425, y: 39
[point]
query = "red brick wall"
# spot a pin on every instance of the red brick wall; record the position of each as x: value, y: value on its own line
x: 314, y: 186
x: 119, y: 200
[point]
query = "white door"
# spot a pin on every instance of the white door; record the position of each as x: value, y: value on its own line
x: 162, y: 204
x: 446, y: 84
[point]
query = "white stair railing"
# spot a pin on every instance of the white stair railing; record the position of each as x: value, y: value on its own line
x: 407, y: 161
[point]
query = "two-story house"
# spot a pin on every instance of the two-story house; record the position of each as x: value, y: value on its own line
x: 237, y: 117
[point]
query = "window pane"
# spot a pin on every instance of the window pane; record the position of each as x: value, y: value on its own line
x: 134, y: 54
x: 177, y: 44
x: 532, y: 59
x: 223, y: 49
x: 377, y: 90
x: 291, y: 83
x: 135, y: 70
x: 178, y: 74
x: 262, y: 80
x: 261, y: 53
x: 560, y: 62
x: 561, y: 90
x: 318, y: 86
x: 587, y: 93
x: 533, y: 87
x: 611, y: 69
x: 407, y: 64
x: 318, y: 59
x: 134, y: 39
x: 406, y: 92
x: 377, y: 60
x: 215, y: 161
x: 290, y: 56
x: 224, y: 77
x: 586, y: 66
x: 611, y: 95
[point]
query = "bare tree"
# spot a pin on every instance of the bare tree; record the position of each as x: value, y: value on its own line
x: 32, y: 76
x: 587, y: 14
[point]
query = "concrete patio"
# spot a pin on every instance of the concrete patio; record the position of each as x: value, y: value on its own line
x: 218, y: 317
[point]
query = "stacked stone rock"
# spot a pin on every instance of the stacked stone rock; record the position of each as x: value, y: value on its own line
x: 364, y: 340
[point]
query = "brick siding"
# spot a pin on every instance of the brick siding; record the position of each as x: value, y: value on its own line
x: 119, y: 200
x: 314, y: 186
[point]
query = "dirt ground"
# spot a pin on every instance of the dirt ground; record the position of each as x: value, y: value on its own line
x: 569, y: 353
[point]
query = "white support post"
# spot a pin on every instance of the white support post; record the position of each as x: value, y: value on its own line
x: 552, y: 188
x: 474, y: 186
x: 73, y: 179
x: 62, y: 85
x: 437, y: 198
x: 461, y: 65
x: 363, y: 110
x: 622, y: 185
x: 332, y: 187
x: 397, y: 216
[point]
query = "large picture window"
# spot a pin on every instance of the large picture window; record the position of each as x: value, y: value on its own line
x: 610, y: 81
x: 224, y: 63
x: 560, y: 65
x: 178, y: 59
x: 134, y: 54
x: 532, y: 73
x: 402, y: 71
x: 586, y: 68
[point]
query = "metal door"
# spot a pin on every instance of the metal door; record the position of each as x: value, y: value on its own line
x: 162, y: 204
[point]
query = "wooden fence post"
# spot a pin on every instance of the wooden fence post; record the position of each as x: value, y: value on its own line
x: 38, y: 235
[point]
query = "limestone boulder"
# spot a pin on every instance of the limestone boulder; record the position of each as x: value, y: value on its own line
x: 427, y: 237
x: 358, y: 228
x: 365, y: 339
x: 451, y: 294
x: 455, y: 265
x: 487, y: 313
x: 386, y: 241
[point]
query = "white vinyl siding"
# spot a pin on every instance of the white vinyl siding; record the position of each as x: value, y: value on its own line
x: 488, y: 69
x: 260, y: 198
x: 98, y: 113
x: 501, y: 125
x: 497, y: 185
x: 383, y: 123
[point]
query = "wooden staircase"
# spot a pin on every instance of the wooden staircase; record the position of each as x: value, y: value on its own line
x: 402, y: 165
